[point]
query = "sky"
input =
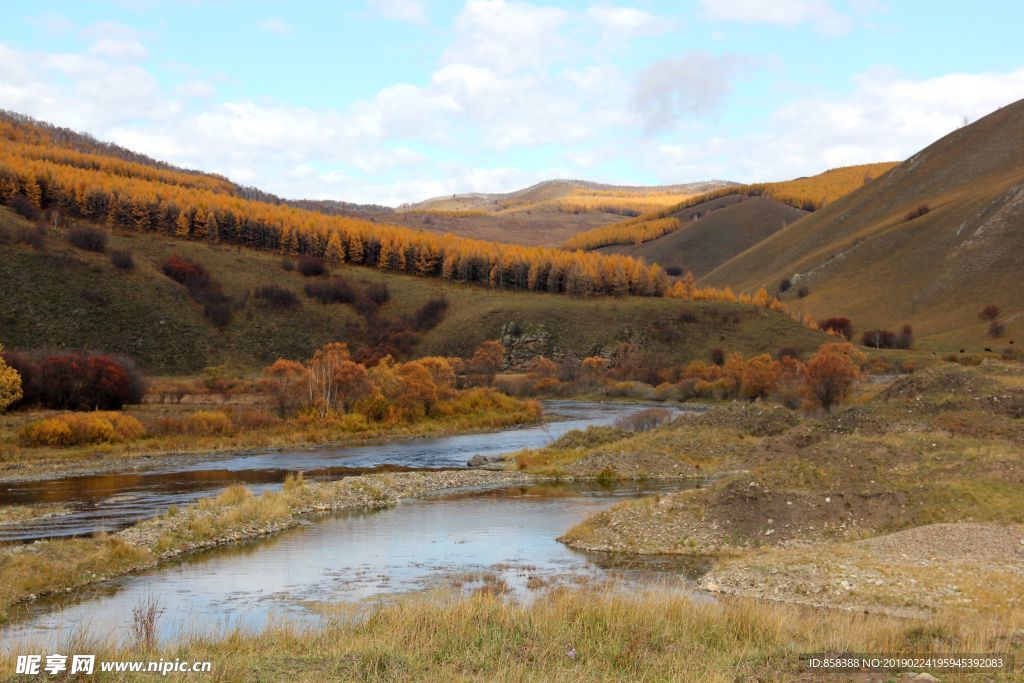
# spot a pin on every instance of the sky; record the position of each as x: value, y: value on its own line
x: 394, y: 101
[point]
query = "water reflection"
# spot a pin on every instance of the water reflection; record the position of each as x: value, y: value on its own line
x: 108, y: 502
x: 505, y: 535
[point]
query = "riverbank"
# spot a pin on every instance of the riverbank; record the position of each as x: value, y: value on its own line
x: 589, y: 634
x: 908, y: 503
x: 46, y: 567
x: 28, y: 464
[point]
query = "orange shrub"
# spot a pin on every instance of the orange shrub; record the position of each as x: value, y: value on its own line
x: 208, y: 423
x: 73, y: 429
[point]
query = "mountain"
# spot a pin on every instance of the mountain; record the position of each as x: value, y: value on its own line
x: 808, y: 193
x: 569, y: 196
x: 929, y: 243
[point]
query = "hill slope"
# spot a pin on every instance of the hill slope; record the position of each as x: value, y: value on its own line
x: 807, y: 193
x: 712, y: 233
x: 863, y: 256
x: 59, y: 297
x: 571, y: 195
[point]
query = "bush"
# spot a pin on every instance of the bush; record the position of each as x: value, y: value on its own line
x: 918, y: 212
x: 201, y: 287
x: 311, y: 266
x: 785, y: 285
x: 429, y: 315
x: 378, y: 293
x: 88, y: 239
x: 885, y: 339
x: 840, y: 326
x: 276, y: 295
x: 288, y: 264
x: 673, y: 271
x: 990, y: 312
x: 995, y: 329
x: 802, y: 291
x: 335, y: 291
x: 122, y: 258
x: 74, y: 382
x: 644, y: 420
x: 718, y: 356
x: 24, y: 208
x: 208, y: 423
x: 788, y: 352
x: 81, y: 428
x: 33, y: 237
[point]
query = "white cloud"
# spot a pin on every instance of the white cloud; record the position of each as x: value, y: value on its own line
x: 506, y: 36
x: 626, y: 21
x: 819, y: 13
x: 276, y: 25
x: 131, y: 50
x: 401, y: 10
x: 887, y: 116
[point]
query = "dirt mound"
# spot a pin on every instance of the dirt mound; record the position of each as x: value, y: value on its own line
x: 755, y: 419
x: 938, y: 381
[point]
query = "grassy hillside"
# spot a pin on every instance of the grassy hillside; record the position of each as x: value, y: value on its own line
x: 570, y: 196
x: 713, y: 232
x: 808, y: 193
x: 546, y: 214
x: 865, y: 256
x: 60, y: 297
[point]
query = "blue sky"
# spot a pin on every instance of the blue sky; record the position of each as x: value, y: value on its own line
x: 392, y: 101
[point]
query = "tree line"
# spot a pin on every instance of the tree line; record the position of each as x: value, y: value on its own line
x: 132, y: 196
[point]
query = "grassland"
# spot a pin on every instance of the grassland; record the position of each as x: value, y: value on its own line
x: 64, y: 298
x: 910, y: 501
x: 569, y: 636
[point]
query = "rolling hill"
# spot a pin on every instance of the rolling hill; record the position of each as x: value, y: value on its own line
x: 712, y: 232
x: 807, y: 193
x: 929, y: 243
x: 547, y: 214
x: 59, y: 297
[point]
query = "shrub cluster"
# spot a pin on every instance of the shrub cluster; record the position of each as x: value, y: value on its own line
x: 276, y: 295
x: 839, y: 326
x: 87, y: 238
x: 25, y: 208
x: 429, y: 315
x: 886, y: 339
x: 78, y: 382
x: 122, y: 258
x: 34, y: 236
x: 918, y: 212
x: 337, y: 290
x: 203, y: 289
x: 311, y: 266
x: 74, y: 429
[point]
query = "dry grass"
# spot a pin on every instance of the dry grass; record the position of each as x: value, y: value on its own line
x: 572, y: 635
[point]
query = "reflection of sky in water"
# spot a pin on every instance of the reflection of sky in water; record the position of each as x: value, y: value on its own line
x: 341, y: 558
x: 111, y: 501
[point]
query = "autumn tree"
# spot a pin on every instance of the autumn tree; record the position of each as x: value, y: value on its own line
x: 419, y: 393
x: 10, y: 384
x: 487, y: 360
x: 323, y: 372
x: 759, y: 376
x: 286, y: 382
x: 830, y: 373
